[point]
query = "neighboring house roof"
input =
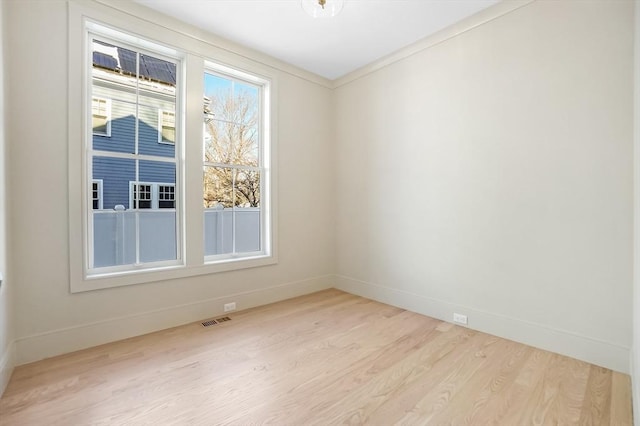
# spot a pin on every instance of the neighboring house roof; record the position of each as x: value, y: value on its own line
x: 123, y: 61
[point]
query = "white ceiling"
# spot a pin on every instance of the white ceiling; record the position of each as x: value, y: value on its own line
x: 364, y: 31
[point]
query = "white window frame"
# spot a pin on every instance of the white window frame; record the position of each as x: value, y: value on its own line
x: 161, y: 126
x: 264, y: 158
x: 146, y: 35
x: 97, y: 32
x: 107, y: 102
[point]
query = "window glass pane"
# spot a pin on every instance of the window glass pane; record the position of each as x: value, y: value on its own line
x: 114, y: 238
x: 114, y: 241
x: 218, y: 187
x: 113, y: 80
x: 150, y: 130
x: 218, y: 96
x: 228, y: 143
x: 246, y: 104
x: 157, y: 235
x: 246, y: 146
x: 232, y: 210
x: 115, y: 173
x: 247, y: 211
x: 122, y: 124
x: 218, y: 230
x: 247, y: 188
x: 218, y: 139
x: 157, y: 82
x: 155, y: 70
x: 246, y: 229
x: 218, y: 210
x: 157, y: 172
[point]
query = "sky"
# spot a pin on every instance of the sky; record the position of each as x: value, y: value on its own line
x: 214, y: 83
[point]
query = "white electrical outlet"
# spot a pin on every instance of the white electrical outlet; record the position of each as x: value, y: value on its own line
x: 459, y: 318
x: 230, y: 306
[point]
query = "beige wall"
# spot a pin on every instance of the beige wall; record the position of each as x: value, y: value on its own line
x: 491, y: 175
x: 6, y: 290
x: 50, y: 320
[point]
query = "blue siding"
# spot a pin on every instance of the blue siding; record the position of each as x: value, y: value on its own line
x: 155, y: 171
x: 116, y: 173
x: 123, y: 137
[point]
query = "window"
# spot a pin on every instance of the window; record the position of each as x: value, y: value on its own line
x: 166, y: 196
x: 141, y: 196
x: 233, y: 166
x: 101, y: 116
x: 143, y: 201
x: 138, y: 83
x: 96, y: 194
x: 152, y: 195
x: 167, y: 126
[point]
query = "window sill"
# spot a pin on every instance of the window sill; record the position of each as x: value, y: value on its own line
x: 131, y: 277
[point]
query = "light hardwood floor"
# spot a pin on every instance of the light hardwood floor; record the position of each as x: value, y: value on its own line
x: 326, y: 358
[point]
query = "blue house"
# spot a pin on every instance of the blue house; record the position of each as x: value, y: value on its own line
x: 132, y: 112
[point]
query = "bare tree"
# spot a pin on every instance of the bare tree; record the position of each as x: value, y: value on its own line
x: 231, y: 144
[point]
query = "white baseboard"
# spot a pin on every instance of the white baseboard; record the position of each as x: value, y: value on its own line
x: 57, y: 342
x: 595, y: 351
x: 7, y: 362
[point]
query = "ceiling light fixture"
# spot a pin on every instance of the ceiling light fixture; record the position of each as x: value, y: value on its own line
x: 322, y: 8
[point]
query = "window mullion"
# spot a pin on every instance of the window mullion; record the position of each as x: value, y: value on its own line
x: 192, y: 166
x: 137, y: 161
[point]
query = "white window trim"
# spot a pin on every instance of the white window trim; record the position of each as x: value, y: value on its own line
x: 107, y: 102
x: 80, y: 15
x: 161, y: 125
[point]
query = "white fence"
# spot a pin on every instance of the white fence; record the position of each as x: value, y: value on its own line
x: 114, y: 234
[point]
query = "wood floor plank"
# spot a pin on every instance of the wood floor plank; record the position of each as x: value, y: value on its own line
x: 325, y: 358
x: 596, y: 406
x: 621, y: 400
x: 436, y: 399
x: 508, y: 410
x: 482, y: 387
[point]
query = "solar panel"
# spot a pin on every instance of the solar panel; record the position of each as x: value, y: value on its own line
x: 150, y: 68
x: 127, y: 60
x: 104, y: 61
x: 157, y: 69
